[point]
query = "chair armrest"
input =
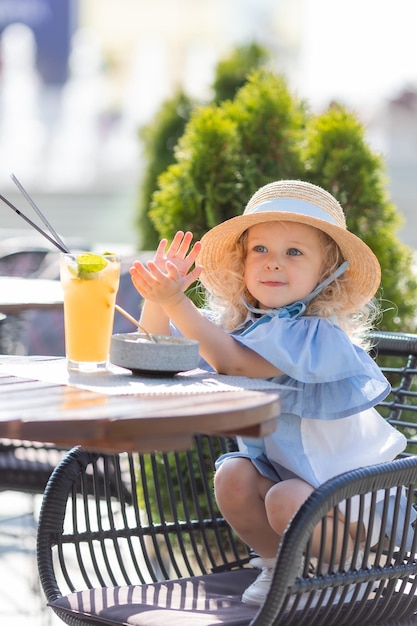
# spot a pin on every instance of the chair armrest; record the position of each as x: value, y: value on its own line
x: 392, y: 564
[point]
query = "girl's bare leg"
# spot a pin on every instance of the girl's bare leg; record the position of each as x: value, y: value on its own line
x: 284, y: 499
x: 240, y: 493
x: 259, y: 510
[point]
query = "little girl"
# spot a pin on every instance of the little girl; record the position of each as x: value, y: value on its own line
x: 289, y: 298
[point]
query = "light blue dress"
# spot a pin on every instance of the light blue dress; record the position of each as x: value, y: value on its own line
x: 327, y: 424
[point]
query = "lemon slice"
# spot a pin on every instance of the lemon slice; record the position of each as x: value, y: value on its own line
x: 88, y: 265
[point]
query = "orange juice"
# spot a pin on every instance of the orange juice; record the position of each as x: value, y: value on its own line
x: 90, y: 283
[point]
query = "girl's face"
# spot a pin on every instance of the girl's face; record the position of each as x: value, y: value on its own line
x: 283, y: 264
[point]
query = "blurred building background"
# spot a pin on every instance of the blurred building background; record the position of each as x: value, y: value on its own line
x: 78, y: 78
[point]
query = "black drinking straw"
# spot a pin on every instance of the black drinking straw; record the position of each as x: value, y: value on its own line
x: 39, y: 212
x: 60, y: 247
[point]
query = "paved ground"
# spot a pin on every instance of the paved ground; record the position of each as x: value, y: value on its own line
x: 21, y: 600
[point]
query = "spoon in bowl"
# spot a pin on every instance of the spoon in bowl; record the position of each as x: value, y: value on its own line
x: 136, y: 323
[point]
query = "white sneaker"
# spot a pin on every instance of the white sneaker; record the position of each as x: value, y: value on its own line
x: 258, y: 590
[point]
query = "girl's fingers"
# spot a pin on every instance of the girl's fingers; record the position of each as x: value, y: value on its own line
x: 180, y: 245
x: 172, y: 265
x: 160, y: 251
x: 179, y: 251
x: 140, y: 281
x: 175, y: 246
x: 194, y: 252
x: 192, y: 276
x: 139, y: 266
x: 172, y: 271
x: 154, y: 270
x: 139, y: 285
x: 185, y: 244
x: 144, y: 275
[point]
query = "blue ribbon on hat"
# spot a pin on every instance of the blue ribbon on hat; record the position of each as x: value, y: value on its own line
x: 296, y: 309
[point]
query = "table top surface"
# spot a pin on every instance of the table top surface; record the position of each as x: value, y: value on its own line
x: 164, y: 419
x: 20, y: 294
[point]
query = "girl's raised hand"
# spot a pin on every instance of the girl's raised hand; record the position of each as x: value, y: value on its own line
x: 171, y: 268
x: 158, y: 285
x: 180, y: 254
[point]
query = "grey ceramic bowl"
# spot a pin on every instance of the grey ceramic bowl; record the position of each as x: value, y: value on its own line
x: 169, y: 355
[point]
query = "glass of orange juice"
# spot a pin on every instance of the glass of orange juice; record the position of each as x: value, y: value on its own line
x: 90, y: 283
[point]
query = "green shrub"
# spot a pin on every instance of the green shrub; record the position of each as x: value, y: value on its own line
x: 231, y: 72
x: 158, y: 139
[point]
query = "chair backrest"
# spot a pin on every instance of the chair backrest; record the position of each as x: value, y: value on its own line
x: 21, y: 256
x: 26, y: 466
x: 396, y: 354
x: 170, y: 526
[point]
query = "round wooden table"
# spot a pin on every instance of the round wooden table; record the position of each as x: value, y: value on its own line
x: 66, y: 415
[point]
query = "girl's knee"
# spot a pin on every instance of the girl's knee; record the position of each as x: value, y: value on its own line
x: 233, y: 473
x: 283, y: 500
x: 236, y: 482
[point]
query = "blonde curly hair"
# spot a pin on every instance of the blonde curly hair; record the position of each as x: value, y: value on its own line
x: 226, y: 303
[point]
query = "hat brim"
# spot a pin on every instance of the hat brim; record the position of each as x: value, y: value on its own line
x: 364, y: 271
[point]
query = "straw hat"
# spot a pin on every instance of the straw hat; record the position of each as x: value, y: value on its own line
x: 293, y: 201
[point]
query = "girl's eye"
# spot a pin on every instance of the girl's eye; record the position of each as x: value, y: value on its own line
x: 260, y: 248
x: 293, y: 252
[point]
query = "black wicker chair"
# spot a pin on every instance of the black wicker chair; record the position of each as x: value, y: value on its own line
x: 168, y: 557
x: 26, y: 466
x: 24, y: 257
